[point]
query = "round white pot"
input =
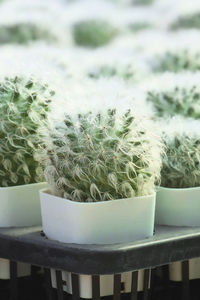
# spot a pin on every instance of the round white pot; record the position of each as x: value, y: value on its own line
x: 179, y: 207
x: 19, y: 207
x: 106, y: 222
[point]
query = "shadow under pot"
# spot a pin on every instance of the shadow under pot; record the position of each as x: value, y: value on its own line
x: 179, y: 207
x: 104, y: 222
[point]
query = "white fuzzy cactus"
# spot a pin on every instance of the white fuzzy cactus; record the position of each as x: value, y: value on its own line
x: 99, y: 157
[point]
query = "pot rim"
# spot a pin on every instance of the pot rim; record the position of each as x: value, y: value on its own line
x: 21, y: 186
x: 178, y: 189
x: 47, y: 191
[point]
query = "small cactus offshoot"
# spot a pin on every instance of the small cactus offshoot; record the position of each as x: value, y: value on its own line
x: 181, y: 162
x: 179, y: 101
x: 93, y: 33
x: 24, y: 104
x: 99, y: 157
x: 177, y: 62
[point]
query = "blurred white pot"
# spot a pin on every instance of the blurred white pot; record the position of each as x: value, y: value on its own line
x: 19, y: 207
x: 179, y: 207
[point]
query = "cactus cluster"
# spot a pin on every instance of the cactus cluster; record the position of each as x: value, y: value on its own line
x: 24, y: 104
x: 125, y: 72
x: 179, y: 101
x: 187, y: 21
x: 181, y: 162
x: 93, y: 33
x: 23, y: 33
x: 176, y: 62
x: 99, y: 157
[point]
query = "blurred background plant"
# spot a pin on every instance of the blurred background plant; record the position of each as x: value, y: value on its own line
x: 177, y: 62
x: 93, y: 33
x: 179, y: 101
x: 24, y: 33
x: 187, y: 21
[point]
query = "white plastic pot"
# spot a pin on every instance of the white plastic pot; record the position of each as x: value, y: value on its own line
x: 19, y: 207
x: 23, y: 269
x: 106, y: 283
x: 105, y: 222
x: 179, y: 207
x: 175, y: 273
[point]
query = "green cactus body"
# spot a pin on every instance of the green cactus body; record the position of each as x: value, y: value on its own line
x: 23, y: 108
x: 187, y: 22
x: 173, y: 62
x: 23, y: 33
x: 181, y: 163
x: 101, y: 157
x: 143, y: 2
x: 136, y: 27
x: 93, y: 33
x: 125, y: 72
x: 180, y: 101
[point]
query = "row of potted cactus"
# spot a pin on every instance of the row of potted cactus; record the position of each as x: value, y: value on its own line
x: 109, y: 20
x: 101, y: 170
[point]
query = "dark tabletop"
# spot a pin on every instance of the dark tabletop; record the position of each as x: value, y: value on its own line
x: 169, y: 244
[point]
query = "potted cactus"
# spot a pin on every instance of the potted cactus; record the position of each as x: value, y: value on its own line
x: 177, y: 101
x: 23, y: 109
x: 101, y: 169
x: 178, y: 198
x: 93, y: 33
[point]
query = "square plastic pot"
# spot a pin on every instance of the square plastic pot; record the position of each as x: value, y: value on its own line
x: 106, y: 222
x: 179, y: 207
x: 19, y: 207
